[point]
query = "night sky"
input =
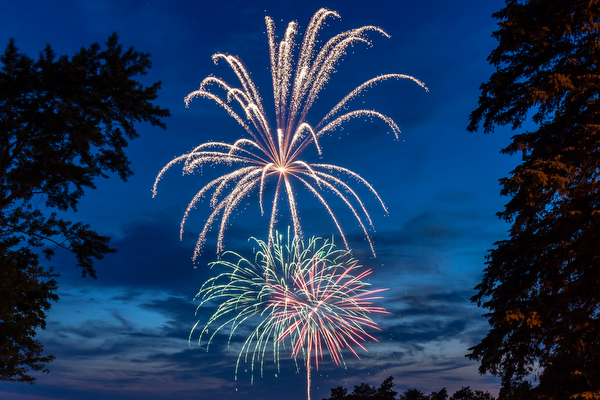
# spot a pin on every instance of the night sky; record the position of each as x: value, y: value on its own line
x: 125, y: 334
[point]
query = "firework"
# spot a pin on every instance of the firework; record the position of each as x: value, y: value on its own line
x: 309, y: 298
x: 274, y: 153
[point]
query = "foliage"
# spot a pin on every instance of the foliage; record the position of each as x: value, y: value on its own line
x: 541, y: 285
x: 413, y: 394
x: 63, y: 122
x: 363, y: 391
x: 442, y: 394
x: 366, y: 392
x: 384, y: 392
x: 466, y: 393
x: 26, y: 291
x: 338, y: 393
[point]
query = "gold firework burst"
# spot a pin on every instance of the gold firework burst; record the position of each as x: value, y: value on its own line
x: 275, y: 153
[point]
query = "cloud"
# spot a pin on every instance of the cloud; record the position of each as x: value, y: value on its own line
x: 125, y: 335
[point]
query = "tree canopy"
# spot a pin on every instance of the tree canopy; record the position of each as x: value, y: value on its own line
x: 63, y: 123
x: 365, y: 391
x: 541, y: 284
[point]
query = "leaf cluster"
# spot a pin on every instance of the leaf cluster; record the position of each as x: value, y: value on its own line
x: 63, y: 123
x: 541, y: 284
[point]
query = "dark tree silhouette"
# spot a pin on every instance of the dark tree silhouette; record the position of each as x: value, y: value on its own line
x: 63, y: 122
x: 366, y: 392
x: 362, y: 392
x: 442, y: 394
x: 541, y: 285
x: 466, y: 393
x: 26, y: 291
x: 413, y: 394
x: 338, y: 393
x: 385, y: 392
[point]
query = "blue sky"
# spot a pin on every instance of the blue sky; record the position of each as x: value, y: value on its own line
x: 125, y: 335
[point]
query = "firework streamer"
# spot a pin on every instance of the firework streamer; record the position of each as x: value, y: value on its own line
x: 310, y: 299
x: 273, y: 153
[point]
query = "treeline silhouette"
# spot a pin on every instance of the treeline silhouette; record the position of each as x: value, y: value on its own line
x: 385, y: 392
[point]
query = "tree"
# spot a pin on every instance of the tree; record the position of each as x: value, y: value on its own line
x: 63, y: 123
x: 413, y: 394
x: 366, y: 392
x: 362, y: 392
x: 26, y: 291
x: 385, y: 392
x: 541, y: 284
x: 338, y: 393
x: 466, y: 393
x: 442, y: 394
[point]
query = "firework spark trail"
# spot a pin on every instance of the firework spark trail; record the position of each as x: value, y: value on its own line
x: 275, y: 152
x: 365, y: 86
x: 311, y: 297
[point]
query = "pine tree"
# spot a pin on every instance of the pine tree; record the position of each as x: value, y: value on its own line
x: 542, y: 285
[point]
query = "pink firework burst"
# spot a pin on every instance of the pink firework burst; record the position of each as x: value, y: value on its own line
x: 311, y: 296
